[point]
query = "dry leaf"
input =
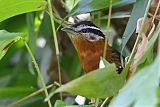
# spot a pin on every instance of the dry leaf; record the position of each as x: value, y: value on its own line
x: 142, y: 47
x: 146, y: 25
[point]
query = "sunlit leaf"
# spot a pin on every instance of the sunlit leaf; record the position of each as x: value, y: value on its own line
x: 141, y: 89
x: 9, y: 8
x: 7, y: 39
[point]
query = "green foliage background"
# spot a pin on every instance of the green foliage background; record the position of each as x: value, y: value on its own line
x: 29, y: 21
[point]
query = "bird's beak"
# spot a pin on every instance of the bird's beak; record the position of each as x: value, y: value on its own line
x: 68, y: 30
x: 71, y: 32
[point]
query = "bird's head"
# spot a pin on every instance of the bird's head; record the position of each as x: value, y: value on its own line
x: 89, y: 41
x: 85, y: 30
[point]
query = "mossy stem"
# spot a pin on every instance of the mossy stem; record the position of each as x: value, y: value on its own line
x: 55, y: 41
x: 38, y: 72
x: 97, y: 102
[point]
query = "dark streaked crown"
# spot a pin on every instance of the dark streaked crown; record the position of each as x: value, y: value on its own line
x: 87, y: 27
x: 84, y: 23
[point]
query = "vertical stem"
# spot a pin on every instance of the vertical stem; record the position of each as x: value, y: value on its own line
x: 108, y: 27
x: 140, y: 33
x: 55, y: 41
x: 107, y: 32
x: 59, y: 74
x: 97, y: 102
x: 38, y: 72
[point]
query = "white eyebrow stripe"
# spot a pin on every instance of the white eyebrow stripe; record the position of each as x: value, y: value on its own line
x: 89, y: 35
x: 85, y: 27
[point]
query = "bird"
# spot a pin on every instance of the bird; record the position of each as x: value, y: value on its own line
x: 89, y: 41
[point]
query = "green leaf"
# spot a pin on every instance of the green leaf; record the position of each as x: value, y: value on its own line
x: 100, y: 83
x: 124, y: 2
x: 117, y: 15
x: 15, y: 92
x: 85, y: 6
x: 141, y: 89
x: 59, y: 103
x: 70, y: 63
x: 135, y: 15
x: 7, y: 39
x: 9, y: 8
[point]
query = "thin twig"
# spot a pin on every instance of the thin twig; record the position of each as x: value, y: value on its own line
x: 104, y: 102
x: 108, y: 27
x: 55, y: 41
x: 38, y: 72
x: 153, y: 18
x: 157, y: 16
x: 155, y: 13
x: 62, y: 23
x: 29, y: 96
x: 59, y: 21
x: 56, y: 83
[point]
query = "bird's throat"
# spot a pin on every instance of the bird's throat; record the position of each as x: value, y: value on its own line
x: 89, y: 52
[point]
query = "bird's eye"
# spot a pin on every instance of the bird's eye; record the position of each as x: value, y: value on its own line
x: 84, y: 31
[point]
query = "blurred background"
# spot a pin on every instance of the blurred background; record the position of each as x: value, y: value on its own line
x: 18, y: 77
